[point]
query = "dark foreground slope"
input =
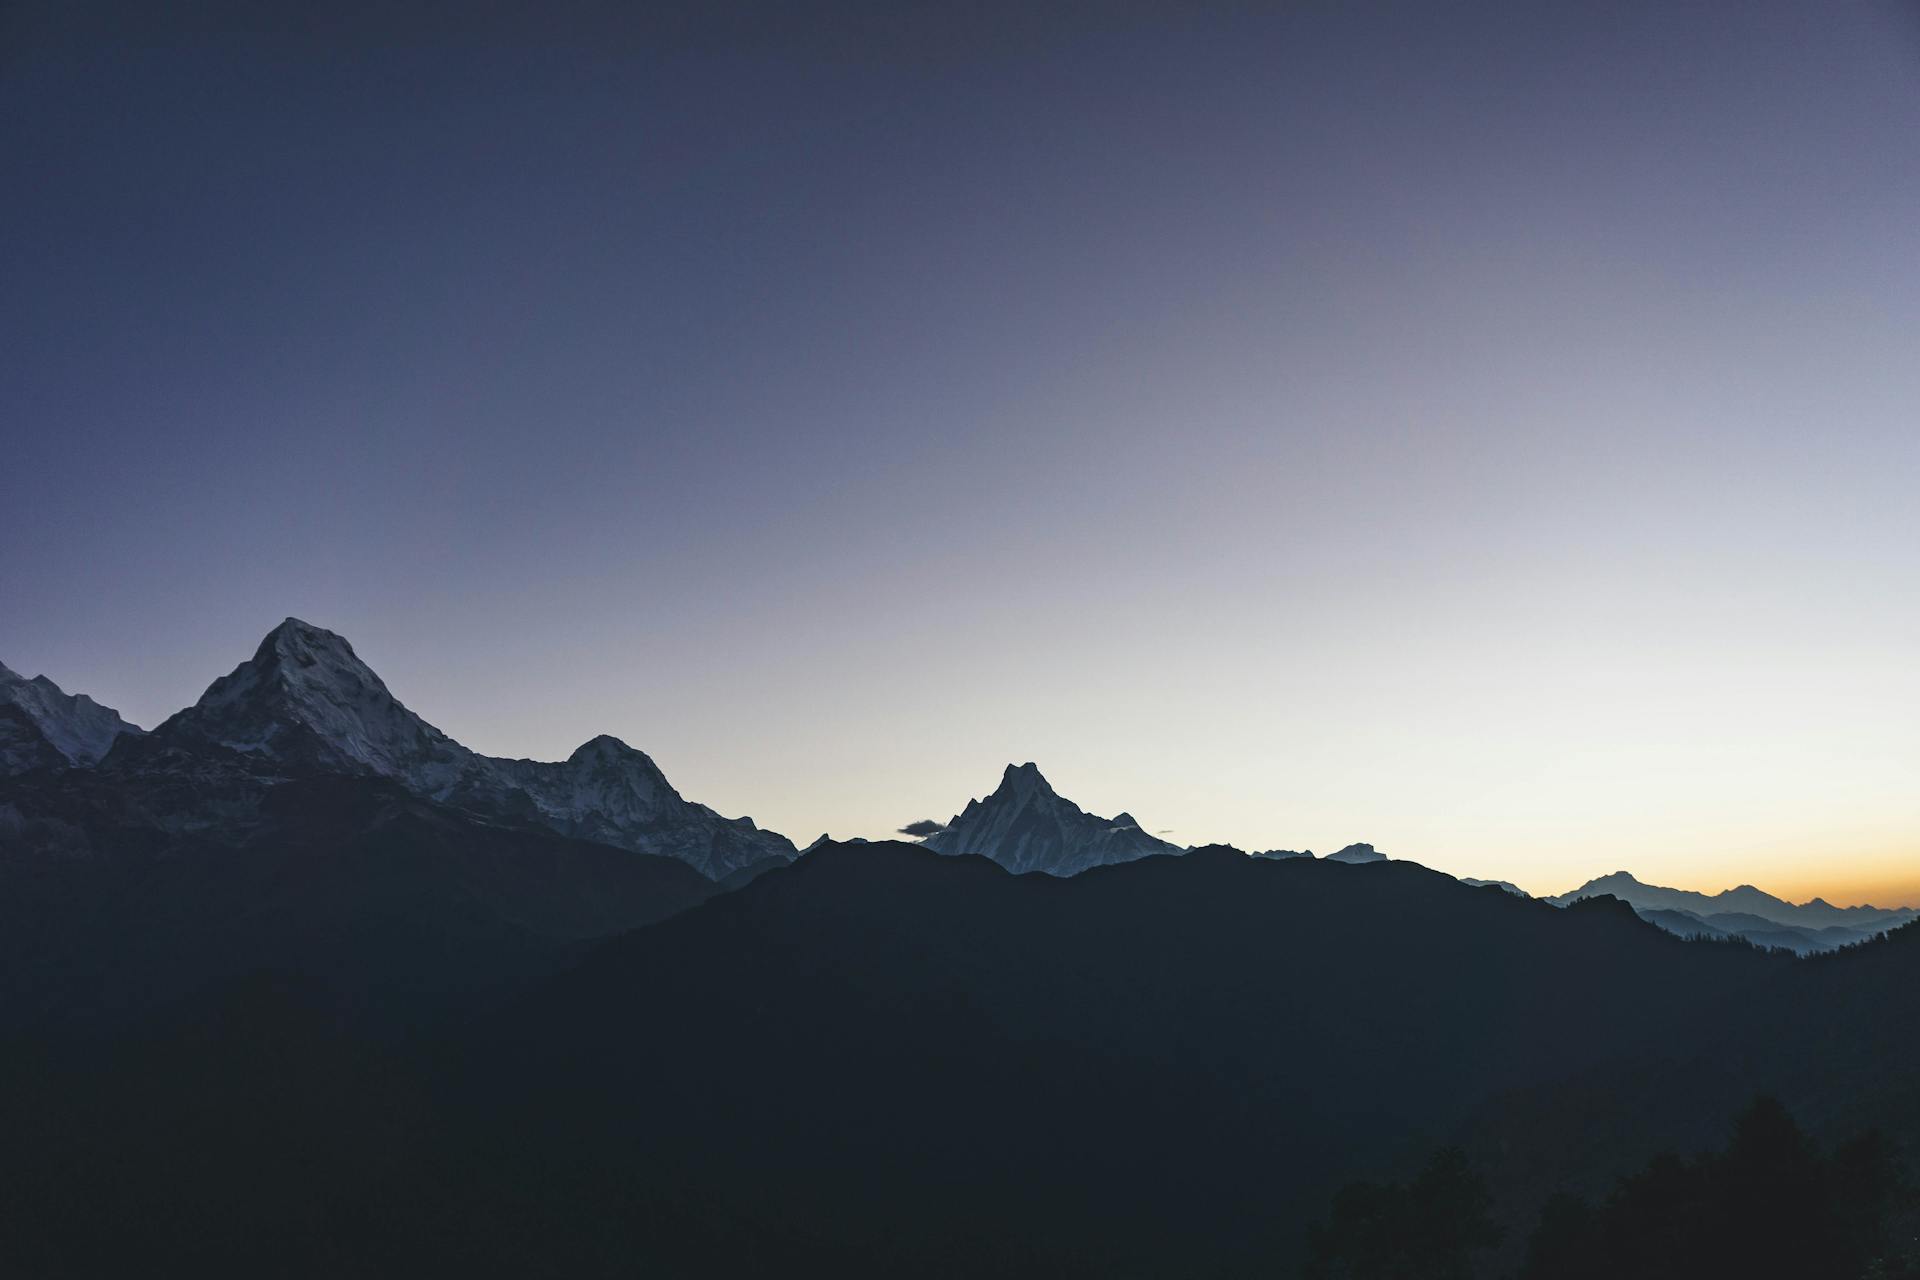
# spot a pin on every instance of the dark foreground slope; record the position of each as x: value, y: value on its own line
x: 880, y: 1060
x: 395, y: 907
x: 1159, y: 1068
x: 1834, y: 1037
x: 1145, y: 1069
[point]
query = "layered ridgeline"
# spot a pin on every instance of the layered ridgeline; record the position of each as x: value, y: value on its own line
x: 306, y: 705
x: 1746, y: 912
x: 44, y: 727
x: 1026, y: 826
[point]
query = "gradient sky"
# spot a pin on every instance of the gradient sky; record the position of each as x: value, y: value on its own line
x: 1491, y: 430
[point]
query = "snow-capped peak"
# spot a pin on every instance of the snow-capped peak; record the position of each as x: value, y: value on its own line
x: 305, y: 698
x: 305, y: 703
x: 1026, y: 826
x: 48, y: 726
x: 1024, y: 780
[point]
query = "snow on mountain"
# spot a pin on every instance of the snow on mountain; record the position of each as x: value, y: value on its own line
x: 1025, y: 826
x: 305, y: 703
x: 41, y: 725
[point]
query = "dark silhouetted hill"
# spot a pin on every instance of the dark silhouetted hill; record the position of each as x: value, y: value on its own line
x: 1152, y: 1068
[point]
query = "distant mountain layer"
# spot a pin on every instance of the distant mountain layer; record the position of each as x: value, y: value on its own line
x: 1746, y: 912
x: 1357, y: 853
x: 42, y: 726
x: 1507, y: 885
x: 1025, y: 826
x: 305, y: 705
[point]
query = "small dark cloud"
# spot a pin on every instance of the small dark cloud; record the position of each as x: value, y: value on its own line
x: 923, y: 828
x: 1164, y: 831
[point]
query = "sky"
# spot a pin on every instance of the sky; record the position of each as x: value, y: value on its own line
x: 1487, y: 430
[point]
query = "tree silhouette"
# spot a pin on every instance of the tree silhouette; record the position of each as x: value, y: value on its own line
x: 1428, y: 1229
x: 1770, y: 1207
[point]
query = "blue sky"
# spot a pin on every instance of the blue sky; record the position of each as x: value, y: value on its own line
x: 1490, y: 434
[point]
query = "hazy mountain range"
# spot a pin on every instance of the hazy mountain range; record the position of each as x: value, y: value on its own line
x: 1746, y: 912
x: 306, y: 706
x: 519, y: 1017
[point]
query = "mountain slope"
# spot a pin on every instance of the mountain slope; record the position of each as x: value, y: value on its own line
x: 881, y: 1061
x: 1025, y: 826
x: 395, y: 906
x: 1153, y: 1068
x: 306, y: 705
x: 43, y: 726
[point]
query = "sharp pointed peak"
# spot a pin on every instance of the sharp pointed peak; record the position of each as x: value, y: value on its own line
x: 8, y: 675
x: 1023, y: 778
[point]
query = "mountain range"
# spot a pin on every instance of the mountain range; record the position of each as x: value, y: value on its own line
x: 1746, y: 912
x: 305, y: 704
x: 296, y: 984
x: 304, y: 738
x: 299, y: 817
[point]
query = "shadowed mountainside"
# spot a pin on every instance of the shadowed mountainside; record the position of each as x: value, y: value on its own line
x: 1148, y: 1067
x: 398, y: 907
x: 880, y: 1060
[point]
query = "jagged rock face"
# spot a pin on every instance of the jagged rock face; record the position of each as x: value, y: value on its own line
x: 1025, y: 826
x: 43, y: 726
x: 22, y: 744
x: 609, y: 792
x: 305, y: 704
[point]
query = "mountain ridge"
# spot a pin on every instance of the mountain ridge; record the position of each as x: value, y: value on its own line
x: 1816, y: 913
x: 1024, y: 825
x: 306, y: 704
x: 44, y: 726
